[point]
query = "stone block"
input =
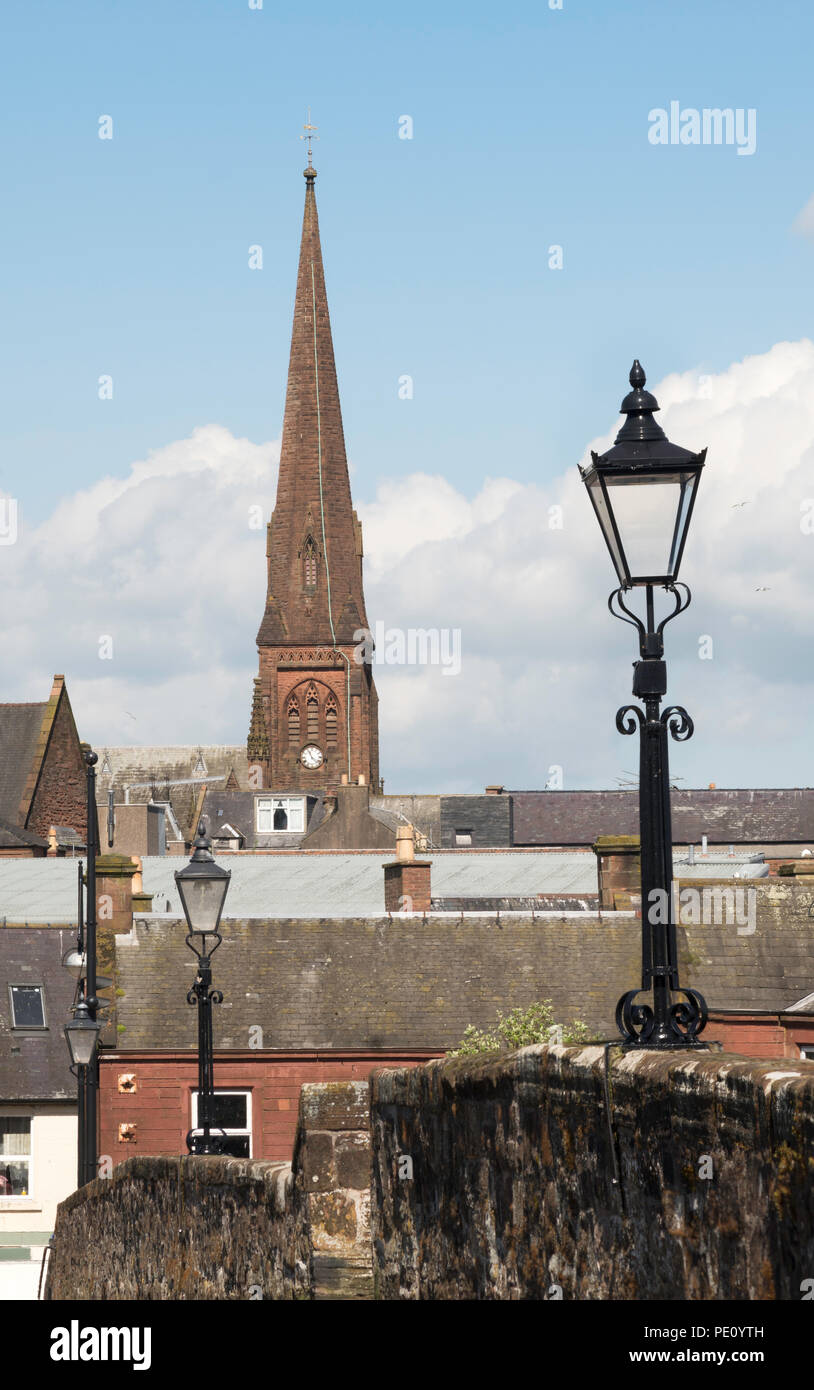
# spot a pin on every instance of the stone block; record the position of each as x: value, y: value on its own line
x: 317, y: 1167
x: 335, y: 1105
x: 352, y: 1160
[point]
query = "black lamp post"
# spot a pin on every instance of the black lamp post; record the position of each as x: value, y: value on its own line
x: 202, y: 887
x: 82, y: 1034
x: 643, y: 492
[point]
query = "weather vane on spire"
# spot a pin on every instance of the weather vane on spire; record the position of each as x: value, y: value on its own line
x: 309, y: 134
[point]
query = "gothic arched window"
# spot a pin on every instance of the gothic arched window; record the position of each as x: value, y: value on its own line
x: 293, y: 720
x: 331, y: 719
x: 309, y: 564
x: 312, y: 714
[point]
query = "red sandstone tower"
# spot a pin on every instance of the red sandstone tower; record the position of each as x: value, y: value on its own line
x: 315, y: 708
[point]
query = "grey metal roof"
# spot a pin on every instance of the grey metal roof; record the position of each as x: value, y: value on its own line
x: 313, y: 884
x: 351, y: 885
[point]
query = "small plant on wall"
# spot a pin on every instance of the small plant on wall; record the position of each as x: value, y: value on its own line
x: 520, y: 1028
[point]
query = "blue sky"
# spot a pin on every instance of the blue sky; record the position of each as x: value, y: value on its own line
x: 129, y: 257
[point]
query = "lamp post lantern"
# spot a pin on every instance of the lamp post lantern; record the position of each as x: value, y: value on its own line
x: 202, y: 887
x: 643, y: 492
x: 82, y: 1035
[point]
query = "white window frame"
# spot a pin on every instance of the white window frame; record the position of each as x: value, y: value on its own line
x: 268, y: 804
x: 230, y: 1133
x: 806, y: 1051
x: 27, y: 1027
x: 463, y: 838
x: 9, y: 1158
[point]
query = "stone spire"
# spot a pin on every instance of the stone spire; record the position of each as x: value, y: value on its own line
x: 314, y: 539
x: 315, y: 710
x: 258, y: 743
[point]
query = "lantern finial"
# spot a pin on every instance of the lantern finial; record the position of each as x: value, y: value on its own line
x: 639, y: 406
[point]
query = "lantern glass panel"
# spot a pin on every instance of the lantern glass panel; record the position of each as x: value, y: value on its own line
x: 81, y: 1039
x: 598, y: 496
x: 202, y: 899
x: 651, y: 512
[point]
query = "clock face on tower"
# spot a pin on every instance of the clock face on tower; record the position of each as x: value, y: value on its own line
x: 311, y: 756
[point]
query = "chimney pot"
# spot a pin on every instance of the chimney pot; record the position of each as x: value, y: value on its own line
x: 405, y: 844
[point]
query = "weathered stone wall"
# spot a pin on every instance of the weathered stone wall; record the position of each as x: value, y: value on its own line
x: 332, y: 1165
x: 229, y: 1228
x: 513, y: 1193
x: 504, y: 1179
x: 183, y: 1228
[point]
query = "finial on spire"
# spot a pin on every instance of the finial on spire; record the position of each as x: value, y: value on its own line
x: 637, y: 376
x: 309, y: 129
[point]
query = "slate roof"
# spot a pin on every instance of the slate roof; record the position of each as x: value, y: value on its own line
x: 725, y: 815
x: 418, y: 981
x: 175, y: 763
x: 15, y: 837
x: 186, y: 768
x: 20, y: 727
x: 237, y: 809
x: 39, y: 1069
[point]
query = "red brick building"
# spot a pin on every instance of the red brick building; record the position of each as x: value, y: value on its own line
x: 146, y: 1099
x: 315, y: 709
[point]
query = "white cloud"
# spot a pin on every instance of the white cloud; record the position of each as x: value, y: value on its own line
x: 164, y: 561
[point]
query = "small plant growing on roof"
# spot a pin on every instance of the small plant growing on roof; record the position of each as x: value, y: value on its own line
x: 520, y: 1028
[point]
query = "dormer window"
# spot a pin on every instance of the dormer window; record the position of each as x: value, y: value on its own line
x: 280, y: 813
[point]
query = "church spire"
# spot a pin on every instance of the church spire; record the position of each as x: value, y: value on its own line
x: 314, y: 551
x: 315, y: 705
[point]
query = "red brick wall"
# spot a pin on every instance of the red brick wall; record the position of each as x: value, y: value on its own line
x: 770, y: 1036
x: 284, y: 671
x: 60, y: 797
x: 160, y: 1105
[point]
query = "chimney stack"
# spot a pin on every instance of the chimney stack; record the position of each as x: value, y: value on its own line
x: 407, y: 881
x: 619, y: 867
